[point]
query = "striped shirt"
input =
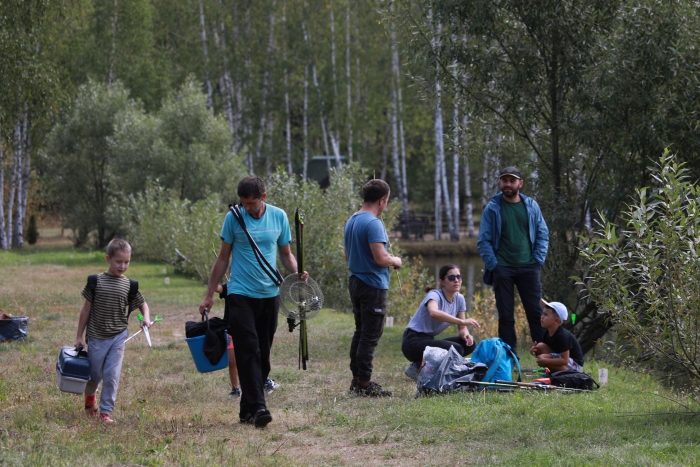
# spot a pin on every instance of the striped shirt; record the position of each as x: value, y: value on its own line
x: 109, y: 305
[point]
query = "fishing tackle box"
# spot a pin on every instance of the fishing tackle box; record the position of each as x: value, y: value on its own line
x: 72, y: 370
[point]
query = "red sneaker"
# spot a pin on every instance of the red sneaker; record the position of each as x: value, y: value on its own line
x: 91, y: 405
x: 106, y: 418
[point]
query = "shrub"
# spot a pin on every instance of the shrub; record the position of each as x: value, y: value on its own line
x: 645, y: 278
x: 32, y: 231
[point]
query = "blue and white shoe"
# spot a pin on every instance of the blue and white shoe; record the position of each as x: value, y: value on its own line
x: 412, y: 370
x: 270, y: 386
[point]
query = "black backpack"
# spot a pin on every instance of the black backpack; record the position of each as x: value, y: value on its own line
x: 573, y: 379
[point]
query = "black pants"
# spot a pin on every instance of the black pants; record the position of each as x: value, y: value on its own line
x: 527, y: 280
x: 253, y: 322
x: 414, y: 343
x: 369, y: 308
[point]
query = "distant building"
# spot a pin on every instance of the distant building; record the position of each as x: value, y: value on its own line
x: 318, y: 168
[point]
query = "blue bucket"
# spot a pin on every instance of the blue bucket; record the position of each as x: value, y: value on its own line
x: 200, y: 361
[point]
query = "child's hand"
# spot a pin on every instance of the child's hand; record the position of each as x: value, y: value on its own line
x: 79, y: 344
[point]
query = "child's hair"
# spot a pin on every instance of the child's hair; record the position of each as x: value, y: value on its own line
x: 374, y: 190
x: 251, y: 186
x: 443, y: 273
x: 118, y: 244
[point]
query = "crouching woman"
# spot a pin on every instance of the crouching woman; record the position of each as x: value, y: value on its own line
x: 440, y: 308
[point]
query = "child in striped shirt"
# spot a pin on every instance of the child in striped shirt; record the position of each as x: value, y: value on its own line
x: 108, y: 302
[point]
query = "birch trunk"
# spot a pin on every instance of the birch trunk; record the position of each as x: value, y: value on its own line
x: 226, y: 83
x: 454, y: 232
x: 335, y: 136
x: 288, y: 126
x: 441, y: 188
x: 23, y: 181
x: 205, y: 51
x: 306, y: 123
x: 397, y: 126
x: 113, y: 48
x: 468, y: 205
x: 348, y: 77
x: 14, y: 173
x: 3, y: 244
x: 266, y: 85
x: 268, y: 156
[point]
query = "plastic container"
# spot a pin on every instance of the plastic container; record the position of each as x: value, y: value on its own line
x: 70, y: 384
x: 200, y: 361
x: 72, y: 370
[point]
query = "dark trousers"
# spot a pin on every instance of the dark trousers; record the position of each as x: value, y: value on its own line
x: 414, y: 343
x: 253, y: 322
x: 527, y: 280
x: 369, y: 308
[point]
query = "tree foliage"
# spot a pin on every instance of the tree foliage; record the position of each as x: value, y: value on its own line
x: 107, y: 148
x: 641, y: 272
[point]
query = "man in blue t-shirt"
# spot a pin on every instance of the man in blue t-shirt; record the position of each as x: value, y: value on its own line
x: 252, y: 295
x: 369, y: 263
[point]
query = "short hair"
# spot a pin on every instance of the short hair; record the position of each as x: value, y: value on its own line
x: 251, y: 186
x: 118, y: 244
x: 374, y: 190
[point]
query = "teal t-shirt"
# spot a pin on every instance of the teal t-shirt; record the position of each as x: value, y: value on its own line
x: 269, y: 232
x: 515, y: 248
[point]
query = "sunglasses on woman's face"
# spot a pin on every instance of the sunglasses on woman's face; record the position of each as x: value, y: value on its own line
x: 454, y: 277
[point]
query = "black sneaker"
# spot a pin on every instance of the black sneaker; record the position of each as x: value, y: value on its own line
x: 261, y: 418
x: 235, y: 393
x: 354, y: 388
x: 373, y: 390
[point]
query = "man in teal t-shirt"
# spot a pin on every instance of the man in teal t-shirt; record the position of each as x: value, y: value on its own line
x: 513, y: 242
x: 252, y: 295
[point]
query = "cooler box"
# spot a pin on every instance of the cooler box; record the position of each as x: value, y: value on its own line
x: 72, y: 370
x: 200, y: 361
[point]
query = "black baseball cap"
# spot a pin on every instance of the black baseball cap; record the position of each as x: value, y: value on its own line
x: 512, y: 171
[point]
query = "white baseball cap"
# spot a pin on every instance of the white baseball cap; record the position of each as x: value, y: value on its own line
x: 559, y: 308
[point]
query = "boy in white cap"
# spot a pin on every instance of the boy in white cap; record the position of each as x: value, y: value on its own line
x: 559, y: 349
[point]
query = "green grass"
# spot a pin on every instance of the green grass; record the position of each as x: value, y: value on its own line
x: 169, y: 414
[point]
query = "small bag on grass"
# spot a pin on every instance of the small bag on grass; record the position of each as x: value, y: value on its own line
x: 13, y: 327
x: 573, y: 379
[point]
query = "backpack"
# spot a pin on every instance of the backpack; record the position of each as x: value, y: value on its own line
x: 497, y: 355
x: 133, y: 289
x: 573, y: 379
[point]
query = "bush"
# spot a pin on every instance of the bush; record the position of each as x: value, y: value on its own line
x: 32, y: 231
x: 645, y: 278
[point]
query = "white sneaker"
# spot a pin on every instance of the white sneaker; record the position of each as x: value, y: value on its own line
x: 270, y: 386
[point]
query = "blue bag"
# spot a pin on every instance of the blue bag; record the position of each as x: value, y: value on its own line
x: 497, y: 355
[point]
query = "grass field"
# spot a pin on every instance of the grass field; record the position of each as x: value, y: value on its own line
x: 169, y: 414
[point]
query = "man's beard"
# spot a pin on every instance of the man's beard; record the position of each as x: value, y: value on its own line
x: 511, y: 192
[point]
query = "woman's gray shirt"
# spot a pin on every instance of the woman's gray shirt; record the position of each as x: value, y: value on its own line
x: 422, y: 322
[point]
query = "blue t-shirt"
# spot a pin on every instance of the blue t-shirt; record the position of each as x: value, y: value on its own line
x: 362, y: 229
x: 269, y: 232
x: 422, y: 322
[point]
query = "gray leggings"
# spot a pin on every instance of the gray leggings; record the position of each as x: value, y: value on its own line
x: 106, y: 357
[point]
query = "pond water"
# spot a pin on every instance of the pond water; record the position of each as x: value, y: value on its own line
x: 471, y: 267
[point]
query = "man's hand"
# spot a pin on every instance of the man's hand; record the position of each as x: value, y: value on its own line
x: 397, y: 262
x: 303, y: 276
x: 206, y: 305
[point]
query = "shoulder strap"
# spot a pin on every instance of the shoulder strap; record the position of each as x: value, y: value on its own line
x: 271, y: 272
x: 92, y: 282
x: 133, y: 290
x: 517, y: 364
